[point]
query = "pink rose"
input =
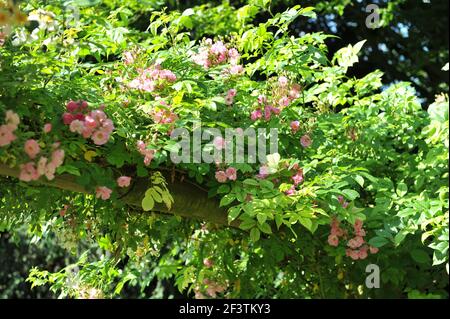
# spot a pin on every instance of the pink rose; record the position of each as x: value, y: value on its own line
x: 229, y: 100
x: 58, y: 157
x: 221, y: 176
x: 305, y: 141
x: 355, y: 242
x: 297, y: 178
x: 290, y: 191
x: 42, y: 163
x: 333, y: 240
x: 100, y: 137
x: 32, y: 148
x: 50, y: 170
x: 294, y: 93
x: 255, y: 115
x: 232, y: 92
x: 267, y: 113
x: 6, y: 135
x: 353, y: 254
x: 72, y: 106
x: 231, y: 173
x: 262, y: 99
x: 263, y: 171
x: 103, y: 192
x: 284, y: 101
x: 90, y: 122
x: 123, y: 181
x: 12, y: 119
x: 87, y: 132
x: 208, y: 262
x: 67, y: 118
x: 76, y: 126
x: 283, y: 81
x: 373, y: 250
x: 219, y: 143
x: 108, y: 126
x: 358, y: 224
x: 362, y: 254
x: 98, y: 115
x: 295, y: 125
x: 28, y: 172
x: 141, y: 146
x: 47, y: 128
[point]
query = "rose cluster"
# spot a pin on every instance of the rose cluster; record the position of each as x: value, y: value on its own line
x: 163, y: 116
x: 229, y: 98
x: 297, y: 178
x: 89, y: 124
x: 215, y: 53
x: 229, y: 174
x: 47, y: 166
x: 212, y: 289
x: 357, y: 248
x: 104, y: 192
x: 7, y: 130
x: 282, y: 93
x: 152, y: 79
x: 147, y: 153
x: 264, y: 109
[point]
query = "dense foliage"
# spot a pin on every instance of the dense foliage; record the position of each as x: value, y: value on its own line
x: 86, y: 96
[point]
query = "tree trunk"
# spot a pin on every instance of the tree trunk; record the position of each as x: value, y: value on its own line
x: 189, y: 200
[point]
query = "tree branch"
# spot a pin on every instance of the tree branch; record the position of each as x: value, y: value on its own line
x: 189, y: 201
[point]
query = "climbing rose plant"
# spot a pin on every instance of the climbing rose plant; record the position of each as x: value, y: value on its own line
x: 87, y: 107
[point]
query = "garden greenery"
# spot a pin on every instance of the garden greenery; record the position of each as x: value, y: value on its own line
x: 87, y: 105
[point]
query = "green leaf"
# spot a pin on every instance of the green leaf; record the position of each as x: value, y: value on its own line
x: 251, y: 182
x: 350, y: 194
x: 247, y: 224
x: 420, y: 256
x: 68, y: 169
x: 278, y: 220
x: 439, y: 258
x: 148, y: 203
x: 378, y: 241
x: 261, y: 218
x: 402, y: 189
x: 255, y: 234
x: 227, y: 200
x: 233, y: 213
x: 167, y: 199
x: 360, y: 180
x: 223, y: 189
x: 265, y: 228
x: 306, y: 222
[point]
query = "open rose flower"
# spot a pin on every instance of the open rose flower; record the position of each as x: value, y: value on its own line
x: 221, y: 176
x: 100, y: 137
x: 219, y: 143
x: 295, y: 125
x: 47, y: 128
x: 124, y: 181
x: 28, y: 172
x: 32, y: 148
x: 333, y: 240
x: 103, y: 192
x: 6, y: 135
x: 231, y: 173
x: 305, y: 141
x: 12, y: 119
